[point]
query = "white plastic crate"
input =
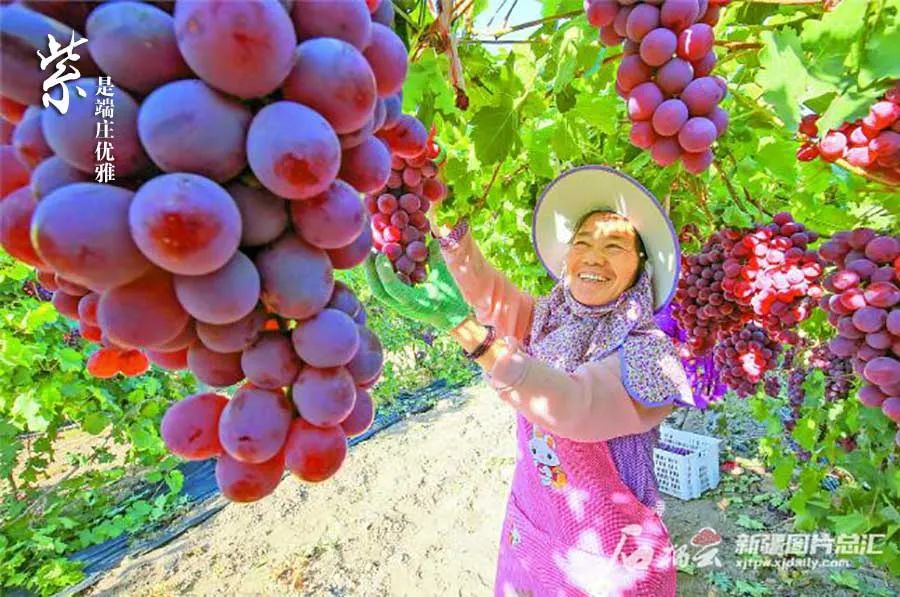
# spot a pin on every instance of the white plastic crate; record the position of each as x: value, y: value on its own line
x: 686, y: 476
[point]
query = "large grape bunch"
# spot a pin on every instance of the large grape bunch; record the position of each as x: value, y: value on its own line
x: 765, y: 274
x: 245, y: 133
x: 665, y: 75
x: 871, y: 143
x: 864, y: 306
x: 399, y: 224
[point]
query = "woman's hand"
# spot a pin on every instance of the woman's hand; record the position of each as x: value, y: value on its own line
x: 437, y: 301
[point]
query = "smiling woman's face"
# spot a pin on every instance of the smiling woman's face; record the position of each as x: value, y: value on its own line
x: 603, y: 259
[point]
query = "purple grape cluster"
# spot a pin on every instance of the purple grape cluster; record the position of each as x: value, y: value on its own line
x: 244, y: 134
x: 664, y: 75
x: 865, y: 308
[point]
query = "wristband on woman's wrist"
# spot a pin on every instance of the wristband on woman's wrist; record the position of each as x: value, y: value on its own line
x: 484, y: 346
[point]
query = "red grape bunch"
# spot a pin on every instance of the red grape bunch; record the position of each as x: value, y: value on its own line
x: 871, y: 143
x: 744, y: 357
x: 765, y: 274
x: 664, y: 75
x: 245, y: 133
x: 865, y: 309
x: 399, y: 224
x: 772, y: 272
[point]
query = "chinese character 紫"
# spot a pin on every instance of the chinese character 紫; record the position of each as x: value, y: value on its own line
x: 61, y: 77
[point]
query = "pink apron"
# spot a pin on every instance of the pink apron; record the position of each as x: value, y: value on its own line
x: 573, y: 528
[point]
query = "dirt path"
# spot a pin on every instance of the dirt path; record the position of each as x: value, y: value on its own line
x: 417, y: 510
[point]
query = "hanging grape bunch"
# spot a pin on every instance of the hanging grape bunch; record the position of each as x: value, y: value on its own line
x: 865, y: 308
x: 665, y: 75
x: 765, y: 274
x: 240, y: 161
x: 399, y: 224
x: 871, y: 143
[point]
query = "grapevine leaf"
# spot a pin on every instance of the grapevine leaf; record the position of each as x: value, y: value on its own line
x: 94, y: 423
x: 783, y: 75
x: 783, y: 472
x: 846, y: 107
x: 777, y: 157
x: 880, y: 60
x: 599, y: 111
x: 829, y: 38
x: 749, y: 523
x: 733, y: 216
x: 494, y: 131
x: 850, y: 523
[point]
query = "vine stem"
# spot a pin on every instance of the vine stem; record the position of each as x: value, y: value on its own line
x: 739, y: 45
x: 498, y: 33
x: 487, y: 188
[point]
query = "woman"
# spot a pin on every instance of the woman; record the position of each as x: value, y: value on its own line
x: 589, y: 372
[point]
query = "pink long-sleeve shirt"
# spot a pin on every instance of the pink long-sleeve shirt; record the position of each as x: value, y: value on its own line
x: 590, y: 404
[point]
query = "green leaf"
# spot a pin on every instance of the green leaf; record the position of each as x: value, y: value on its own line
x: 494, y: 131
x: 880, y: 59
x: 783, y: 472
x: 175, y: 480
x: 783, y: 75
x: 846, y: 107
x: 806, y: 432
x: 850, y: 523
x: 749, y: 523
x: 94, y: 423
x: 733, y: 216
x: 70, y: 359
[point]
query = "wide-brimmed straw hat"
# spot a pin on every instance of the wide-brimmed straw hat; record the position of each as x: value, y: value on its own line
x: 587, y: 188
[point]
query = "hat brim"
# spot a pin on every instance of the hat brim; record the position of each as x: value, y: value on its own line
x: 587, y: 188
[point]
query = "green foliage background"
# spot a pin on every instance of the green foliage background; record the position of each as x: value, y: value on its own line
x: 536, y: 109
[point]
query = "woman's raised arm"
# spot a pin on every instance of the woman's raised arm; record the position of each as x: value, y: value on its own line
x: 590, y: 404
x: 495, y: 300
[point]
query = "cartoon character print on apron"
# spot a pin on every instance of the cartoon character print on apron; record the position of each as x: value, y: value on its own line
x: 574, y: 528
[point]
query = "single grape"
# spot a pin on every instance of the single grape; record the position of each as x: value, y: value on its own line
x: 270, y: 362
x: 185, y: 223
x: 295, y: 162
x: 215, y: 368
x: 190, y: 427
x: 223, y: 296
x: 264, y: 215
x: 324, y: 397
x: 242, y: 48
x: 186, y: 126
x: 143, y: 312
x: 297, y: 278
x: 314, y: 453
x: 333, y: 219
x: 334, y: 79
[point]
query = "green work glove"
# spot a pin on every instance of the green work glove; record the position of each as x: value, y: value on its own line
x: 437, y: 301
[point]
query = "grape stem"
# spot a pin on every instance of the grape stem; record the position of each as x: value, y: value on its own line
x: 498, y: 33
x: 739, y: 45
